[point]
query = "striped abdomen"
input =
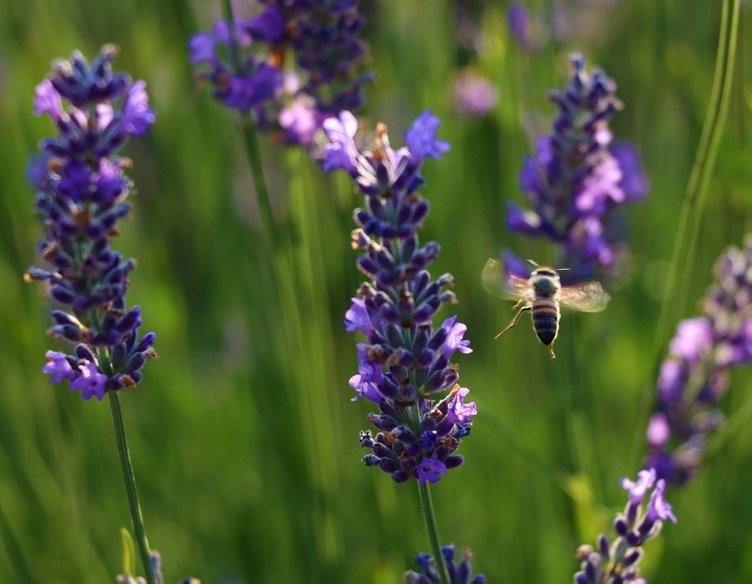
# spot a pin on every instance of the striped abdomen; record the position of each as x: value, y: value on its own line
x: 546, y: 319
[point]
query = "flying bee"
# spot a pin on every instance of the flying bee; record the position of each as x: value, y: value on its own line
x: 542, y: 294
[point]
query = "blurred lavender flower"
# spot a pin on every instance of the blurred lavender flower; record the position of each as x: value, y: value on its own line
x: 617, y: 562
x: 461, y: 573
x: 562, y: 20
x: 405, y: 361
x: 474, y: 95
x: 527, y: 30
x: 577, y: 181
x: 695, y: 375
x: 288, y: 101
x: 82, y: 188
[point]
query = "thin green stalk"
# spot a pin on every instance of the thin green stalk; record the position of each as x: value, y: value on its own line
x: 250, y: 141
x: 433, y: 532
x: 130, y: 487
x: 675, y: 293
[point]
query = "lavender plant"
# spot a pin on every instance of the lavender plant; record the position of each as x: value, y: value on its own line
x: 577, y: 181
x: 82, y: 189
x: 405, y: 363
x: 695, y: 375
x: 291, y: 65
x: 459, y: 573
x: 617, y: 561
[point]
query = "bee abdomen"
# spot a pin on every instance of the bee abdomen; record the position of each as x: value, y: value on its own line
x: 546, y: 320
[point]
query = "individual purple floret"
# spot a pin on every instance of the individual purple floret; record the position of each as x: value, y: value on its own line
x: 616, y: 562
x: 461, y: 573
x: 294, y: 64
x: 695, y: 375
x: 405, y: 362
x: 81, y: 195
x: 578, y: 179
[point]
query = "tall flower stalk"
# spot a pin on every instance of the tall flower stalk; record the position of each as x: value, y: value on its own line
x: 696, y: 373
x: 404, y: 365
x: 577, y: 181
x: 82, y: 188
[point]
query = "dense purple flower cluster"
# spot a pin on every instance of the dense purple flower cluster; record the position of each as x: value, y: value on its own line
x: 460, y: 573
x: 81, y: 191
x: 696, y: 373
x: 578, y: 178
x: 405, y: 361
x: 617, y: 562
x: 291, y: 102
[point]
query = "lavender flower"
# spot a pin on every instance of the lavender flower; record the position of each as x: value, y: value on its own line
x: 525, y: 29
x: 474, y: 95
x: 559, y: 22
x: 461, y: 573
x: 578, y: 179
x: 406, y: 361
x: 695, y: 375
x: 82, y: 188
x: 617, y: 562
x: 290, y: 101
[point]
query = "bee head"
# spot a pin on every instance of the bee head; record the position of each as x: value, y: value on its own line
x: 546, y: 272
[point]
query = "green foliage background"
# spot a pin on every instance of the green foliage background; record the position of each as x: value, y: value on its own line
x: 243, y: 436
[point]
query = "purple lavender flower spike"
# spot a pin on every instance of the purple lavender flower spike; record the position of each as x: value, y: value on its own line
x: 578, y: 180
x: 327, y: 57
x: 405, y: 362
x: 459, y: 573
x: 617, y: 561
x: 81, y: 195
x: 695, y: 375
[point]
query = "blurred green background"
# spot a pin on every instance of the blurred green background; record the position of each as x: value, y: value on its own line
x: 243, y: 437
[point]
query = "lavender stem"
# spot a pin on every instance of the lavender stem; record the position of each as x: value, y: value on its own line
x: 433, y: 532
x: 251, y: 142
x: 130, y: 487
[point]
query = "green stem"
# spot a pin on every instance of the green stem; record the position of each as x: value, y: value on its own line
x: 130, y: 487
x: 251, y: 142
x: 433, y: 533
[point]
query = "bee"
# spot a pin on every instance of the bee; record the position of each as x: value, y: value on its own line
x: 542, y: 294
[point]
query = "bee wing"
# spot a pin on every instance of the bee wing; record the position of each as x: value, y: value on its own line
x: 587, y: 297
x: 505, y: 286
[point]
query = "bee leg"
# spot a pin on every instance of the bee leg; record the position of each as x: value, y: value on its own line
x: 551, y: 350
x: 514, y: 320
